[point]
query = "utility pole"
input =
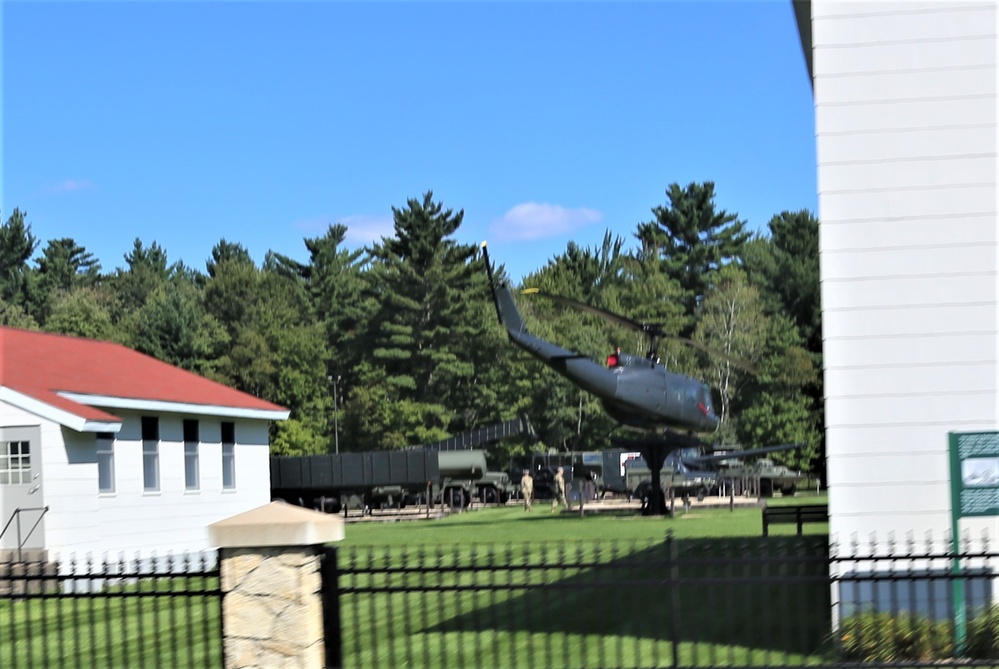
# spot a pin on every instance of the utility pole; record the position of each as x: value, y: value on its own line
x: 336, y: 423
x: 336, y: 419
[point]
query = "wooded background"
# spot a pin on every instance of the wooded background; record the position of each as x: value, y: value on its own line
x: 404, y: 334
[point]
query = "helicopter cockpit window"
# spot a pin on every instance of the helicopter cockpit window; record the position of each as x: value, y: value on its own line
x: 704, y: 398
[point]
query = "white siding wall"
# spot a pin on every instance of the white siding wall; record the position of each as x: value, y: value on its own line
x: 905, y: 98
x: 132, y: 521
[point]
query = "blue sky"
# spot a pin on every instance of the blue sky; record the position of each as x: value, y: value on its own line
x: 261, y: 123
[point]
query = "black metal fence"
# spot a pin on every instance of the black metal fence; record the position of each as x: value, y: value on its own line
x: 152, y: 612
x: 776, y: 602
x: 782, y: 601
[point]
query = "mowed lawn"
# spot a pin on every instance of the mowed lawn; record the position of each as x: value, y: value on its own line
x: 511, y: 524
x: 500, y: 587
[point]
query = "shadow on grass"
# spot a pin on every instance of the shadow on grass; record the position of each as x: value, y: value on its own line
x: 757, y: 593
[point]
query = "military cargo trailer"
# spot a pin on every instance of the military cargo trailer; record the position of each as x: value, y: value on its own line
x: 373, y: 479
x: 378, y: 479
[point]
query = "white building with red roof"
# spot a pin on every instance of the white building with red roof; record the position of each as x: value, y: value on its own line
x: 104, y: 450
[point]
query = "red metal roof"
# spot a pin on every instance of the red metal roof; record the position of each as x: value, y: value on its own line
x: 40, y: 365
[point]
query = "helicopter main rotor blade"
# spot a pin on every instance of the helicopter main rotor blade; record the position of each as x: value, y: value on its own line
x: 654, y: 330
x: 713, y: 352
x: 596, y: 311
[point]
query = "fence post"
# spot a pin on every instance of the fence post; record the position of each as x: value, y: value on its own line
x: 332, y: 632
x: 672, y: 586
x: 270, y: 562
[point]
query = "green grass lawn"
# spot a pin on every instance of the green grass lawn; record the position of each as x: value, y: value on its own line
x: 111, y: 630
x: 508, y: 524
x: 562, y: 591
x: 566, y: 591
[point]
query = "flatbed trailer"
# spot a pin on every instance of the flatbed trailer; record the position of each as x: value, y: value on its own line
x: 444, y: 471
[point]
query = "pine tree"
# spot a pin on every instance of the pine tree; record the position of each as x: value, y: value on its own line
x: 692, y: 240
x: 17, y: 245
x: 420, y: 371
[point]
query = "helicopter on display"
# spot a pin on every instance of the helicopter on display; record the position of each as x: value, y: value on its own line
x: 638, y: 392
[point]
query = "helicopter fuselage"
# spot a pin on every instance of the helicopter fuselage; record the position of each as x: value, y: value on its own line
x: 636, y: 392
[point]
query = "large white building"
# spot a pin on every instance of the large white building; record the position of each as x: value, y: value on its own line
x: 105, y: 451
x: 906, y: 128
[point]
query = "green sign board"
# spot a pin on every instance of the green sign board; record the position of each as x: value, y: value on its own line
x: 974, y: 474
x: 974, y: 491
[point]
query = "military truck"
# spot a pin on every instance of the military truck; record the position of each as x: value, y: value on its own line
x: 675, y: 477
x: 495, y: 488
x: 459, y: 474
x: 764, y: 473
x: 490, y: 488
x: 447, y: 471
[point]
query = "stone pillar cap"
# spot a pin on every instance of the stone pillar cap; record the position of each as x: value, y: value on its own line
x: 276, y: 524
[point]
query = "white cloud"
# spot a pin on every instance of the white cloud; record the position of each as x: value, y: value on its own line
x: 361, y: 230
x: 312, y: 226
x: 364, y: 230
x: 68, y: 186
x: 533, y: 220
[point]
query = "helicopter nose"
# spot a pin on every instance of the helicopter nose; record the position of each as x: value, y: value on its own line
x: 709, y: 415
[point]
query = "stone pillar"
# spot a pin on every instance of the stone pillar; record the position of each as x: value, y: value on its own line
x: 272, y: 614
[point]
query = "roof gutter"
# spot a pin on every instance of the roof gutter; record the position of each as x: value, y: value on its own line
x: 161, y: 406
x: 803, y: 15
x: 55, y: 414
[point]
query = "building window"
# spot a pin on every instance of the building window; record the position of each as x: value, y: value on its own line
x: 105, y: 462
x: 15, y: 463
x: 228, y: 456
x: 150, y: 428
x: 150, y: 454
x: 191, y: 441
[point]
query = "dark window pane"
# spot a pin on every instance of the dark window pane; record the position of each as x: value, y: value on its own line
x: 150, y: 428
x: 190, y: 430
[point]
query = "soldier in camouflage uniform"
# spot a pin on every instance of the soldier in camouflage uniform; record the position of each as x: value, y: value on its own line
x: 559, y: 497
x: 527, y: 489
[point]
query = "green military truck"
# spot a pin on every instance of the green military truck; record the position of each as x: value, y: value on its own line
x: 766, y: 476
x: 495, y: 488
x: 675, y: 478
x: 458, y: 489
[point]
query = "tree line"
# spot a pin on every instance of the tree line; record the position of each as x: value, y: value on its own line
x: 398, y: 344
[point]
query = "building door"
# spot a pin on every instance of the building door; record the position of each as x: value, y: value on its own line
x: 21, y: 494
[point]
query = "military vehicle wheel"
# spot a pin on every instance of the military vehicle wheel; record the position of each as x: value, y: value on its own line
x: 456, y: 498
x: 789, y: 490
x: 327, y: 504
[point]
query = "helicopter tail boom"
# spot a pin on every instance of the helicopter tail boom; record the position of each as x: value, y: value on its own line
x: 579, y: 368
x: 506, y: 309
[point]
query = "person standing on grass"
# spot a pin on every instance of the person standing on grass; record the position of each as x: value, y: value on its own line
x: 527, y: 489
x: 559, y: 497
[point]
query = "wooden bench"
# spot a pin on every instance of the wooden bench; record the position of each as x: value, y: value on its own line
x: 798, y: 515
